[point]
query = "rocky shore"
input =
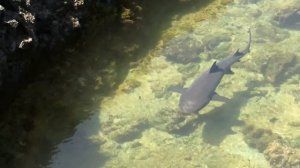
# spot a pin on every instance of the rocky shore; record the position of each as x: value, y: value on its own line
x: 36, y: 36
x: 28, y: 30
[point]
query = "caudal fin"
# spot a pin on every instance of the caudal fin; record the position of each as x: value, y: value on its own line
x: 239, y: 53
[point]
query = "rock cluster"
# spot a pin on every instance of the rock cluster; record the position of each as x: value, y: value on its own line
x: 278, y: 69
x: 27, y: 29
x: 33, y: 32
x: 281, y: 155
x: 288, y: 17
x: 183, y: 49
x: 259, y: 138
x: 277, y: 152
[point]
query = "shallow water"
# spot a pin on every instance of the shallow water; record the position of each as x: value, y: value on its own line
x: 140, y: 126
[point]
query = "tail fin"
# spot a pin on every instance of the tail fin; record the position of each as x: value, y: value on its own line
x: 247, y: 49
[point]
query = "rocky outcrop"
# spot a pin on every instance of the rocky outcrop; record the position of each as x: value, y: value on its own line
x: 276, y: 150
x: 288, y: 17
x: 279, y: 155
x: 36, y: 35
x: 183, y: 49
x: 28, y: 30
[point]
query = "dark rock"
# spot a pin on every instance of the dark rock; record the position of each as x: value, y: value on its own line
x: 183, y: 49
x: 133, y: 132
x: 26, y: 28
x: 259, y: 138
x: 266, y: 33
x: 189, y: 70
x: 213, y: 41
x: 54, y: 27
x: 280, y: 154
x: 169, y: 120
x: 217, y: 46
x: 3, y: 59
x: 249, y: 1
x: 280, y: 67
x: 288, y: 18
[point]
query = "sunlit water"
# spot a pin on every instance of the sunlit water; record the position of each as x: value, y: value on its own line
x: 140, y: 125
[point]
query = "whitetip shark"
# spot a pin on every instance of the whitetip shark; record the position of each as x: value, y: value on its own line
x: 202, y: 90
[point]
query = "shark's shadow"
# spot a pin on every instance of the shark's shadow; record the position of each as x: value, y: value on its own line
x: 218, y: 122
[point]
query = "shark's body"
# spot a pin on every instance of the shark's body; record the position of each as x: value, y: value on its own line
x: 202, y: 90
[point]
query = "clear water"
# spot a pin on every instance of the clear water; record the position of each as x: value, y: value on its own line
x: 140, y: 126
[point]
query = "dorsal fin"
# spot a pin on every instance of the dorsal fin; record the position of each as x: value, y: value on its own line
x: 215, y: 68
x: 237, y: 53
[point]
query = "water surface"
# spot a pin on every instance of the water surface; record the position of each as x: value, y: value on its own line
x: 140, y: 126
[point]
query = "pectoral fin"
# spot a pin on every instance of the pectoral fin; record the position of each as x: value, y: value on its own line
x: 216, y: 97
x: 177, y: 89
x: 229, y: 71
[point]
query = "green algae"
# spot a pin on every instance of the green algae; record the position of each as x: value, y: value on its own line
x: 141, y: 125
x: 295, y: 142
x: 130, y: 85
x: 262, y: 91
x: 259, y: 138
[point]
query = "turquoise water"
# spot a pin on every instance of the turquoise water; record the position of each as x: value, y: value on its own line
x: 140, y: 126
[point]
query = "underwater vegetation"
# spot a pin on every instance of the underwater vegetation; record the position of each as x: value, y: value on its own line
x: 141, y: 123
x: 259, y: 138
x: 296, y: 142
x: 279, y: 155
x: 277, y: 69
x: 275, y: 149
x: 183, y: 49
x: 288, y: 17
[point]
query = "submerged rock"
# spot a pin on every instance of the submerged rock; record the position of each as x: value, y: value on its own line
x: 171, y: 121
x: 189, y: 70
x: 275, y: 149
x: 280, y: 67
x: 130, y: 85
x: 183, y: 49
x: 166, y: 120
x: 121, y: 130
x: 259, y: 138
x: 249, y: 1
x: 213, y: 41
x: 267, y: 33
x: 288, y: 18
x: 279, y: 155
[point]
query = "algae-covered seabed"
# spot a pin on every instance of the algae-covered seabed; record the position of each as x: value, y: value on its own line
x: 140, y: 125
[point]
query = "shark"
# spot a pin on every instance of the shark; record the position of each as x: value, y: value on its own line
x: 202, y: 89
